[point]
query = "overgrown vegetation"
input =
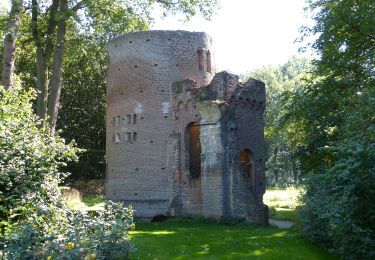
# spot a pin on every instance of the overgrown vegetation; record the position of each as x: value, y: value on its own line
x: 34, y: 220
x: 282, y: 166
x: 334, y: 121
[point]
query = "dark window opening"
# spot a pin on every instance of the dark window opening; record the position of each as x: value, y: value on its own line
x: 134, y: 119
x: 127, y: 120
x: 200, y: 59
x: 193, y: 148
x: 246, y: 157
x: 128, y: 137
x: 208, y: 54
x: 134, y: 136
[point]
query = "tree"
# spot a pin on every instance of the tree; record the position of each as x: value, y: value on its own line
x: 334, y: 116
x: 282, y: 165
x: 10, y: 33
x: 51, y: 20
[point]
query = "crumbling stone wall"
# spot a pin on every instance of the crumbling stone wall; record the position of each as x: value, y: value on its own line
x: 175, y: 132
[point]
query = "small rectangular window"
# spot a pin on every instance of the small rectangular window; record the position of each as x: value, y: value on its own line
x: 128, y: 120
x: 208, y: 57
x: 134, y: 119
x: 117, y: 138
x: 117, y: 121
x: 200, y: 59
x: 128, y: 137
x: 134, y: 136
x: 113, y: 121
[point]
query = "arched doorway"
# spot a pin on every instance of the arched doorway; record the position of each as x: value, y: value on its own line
x: 193, y: 150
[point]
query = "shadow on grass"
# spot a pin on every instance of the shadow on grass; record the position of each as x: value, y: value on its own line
x: 195, y: 239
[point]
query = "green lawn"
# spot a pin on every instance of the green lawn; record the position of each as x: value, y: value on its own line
x: 199, y: 239
x: 184, y: 238
x: 90, y: 203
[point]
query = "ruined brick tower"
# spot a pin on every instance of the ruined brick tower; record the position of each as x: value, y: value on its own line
x: 180, y: 139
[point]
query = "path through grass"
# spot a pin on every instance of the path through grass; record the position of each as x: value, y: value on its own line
x: 283, y: 203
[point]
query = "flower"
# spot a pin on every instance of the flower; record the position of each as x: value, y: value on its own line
x: 132, y: 226
x: 92, y: 256
x: 49, y: 257
x: 70, y: 245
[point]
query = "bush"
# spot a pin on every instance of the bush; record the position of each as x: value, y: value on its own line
x: 30, y: 159
x: 339, y: 210
x: 83, y: 236
x: 34, y: 220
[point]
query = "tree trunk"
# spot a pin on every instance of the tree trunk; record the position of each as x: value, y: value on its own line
x: 10, y: 44
x: 43, y: 54
x: 295, y: 171
x: 55, y: 84
x: 42, y: 83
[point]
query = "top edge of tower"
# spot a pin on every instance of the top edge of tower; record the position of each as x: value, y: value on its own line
x: 167, y: 34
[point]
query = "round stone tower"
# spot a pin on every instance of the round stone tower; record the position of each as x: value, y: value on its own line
x: 142, y: 67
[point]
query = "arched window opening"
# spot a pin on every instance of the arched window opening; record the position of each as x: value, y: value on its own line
x: 193, y: 149
x: 208, y: 54
x: 200, y: 59
x: 247, y: 158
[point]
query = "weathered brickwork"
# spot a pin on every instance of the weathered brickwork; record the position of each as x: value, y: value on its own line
x: 180, y: 139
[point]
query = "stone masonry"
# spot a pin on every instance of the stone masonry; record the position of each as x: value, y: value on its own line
x: 182, y: 140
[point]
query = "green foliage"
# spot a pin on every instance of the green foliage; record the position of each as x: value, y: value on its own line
x: 333, y: 117
x: 105, y: 235
x: 35, y: 222
x: 282, y: 166
x: 30, y: 159
x: 82, y: 115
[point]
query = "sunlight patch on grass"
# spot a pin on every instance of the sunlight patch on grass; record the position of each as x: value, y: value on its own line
x: 283, y: 203
x: 90, y: 203
x: 201, y: 239
x: 159, y: 232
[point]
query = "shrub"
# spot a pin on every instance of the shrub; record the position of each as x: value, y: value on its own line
x: 339, y: 210
x: 34, y: 220
x: 30, y: 159
x: 104, y: 236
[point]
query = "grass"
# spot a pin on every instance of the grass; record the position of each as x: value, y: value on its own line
x: 184, y: 238
x: 283, y: 203
x: 89, y: 203
x: 199, y: 239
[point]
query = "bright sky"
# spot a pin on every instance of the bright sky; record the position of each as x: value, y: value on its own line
x: 249, y: 33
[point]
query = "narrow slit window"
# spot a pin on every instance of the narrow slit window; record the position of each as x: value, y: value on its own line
x: 208, y: 56
x: 134, y: 136
x: 113, y: 121
x: 128, y: 120
x: 117, y: 120
x: 134, y: 119
x: 200, y: 59
x: 128, y: 137
x: 117, y: 137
